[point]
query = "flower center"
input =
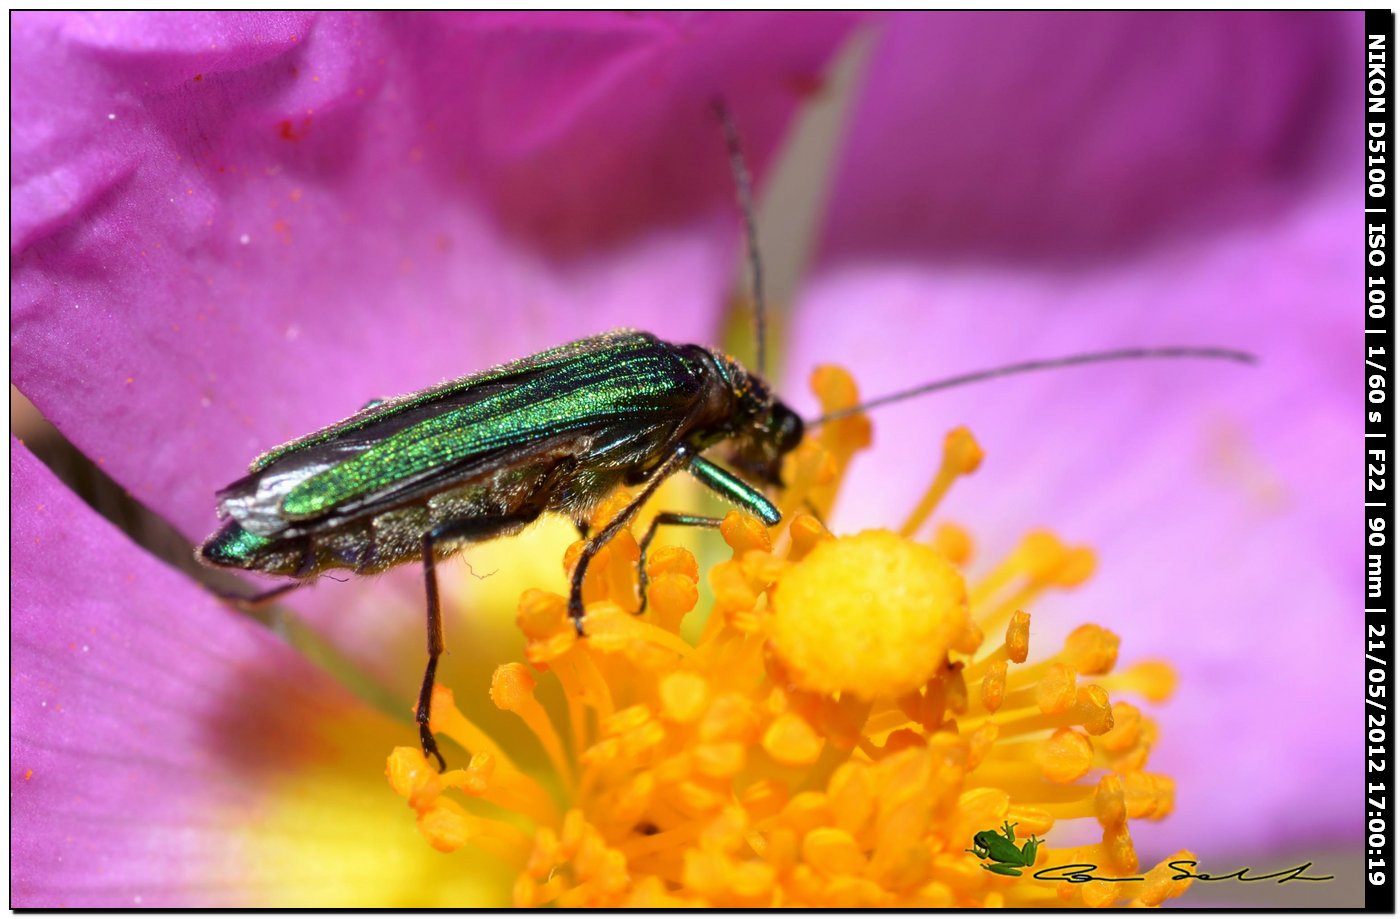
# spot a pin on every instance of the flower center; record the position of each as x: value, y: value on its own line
x: 855, y: 725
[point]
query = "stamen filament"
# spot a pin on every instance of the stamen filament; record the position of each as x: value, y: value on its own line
x: 961, y: 456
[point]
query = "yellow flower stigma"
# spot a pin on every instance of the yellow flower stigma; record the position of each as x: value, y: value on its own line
x: 910, y: 606
x: 850, y: 717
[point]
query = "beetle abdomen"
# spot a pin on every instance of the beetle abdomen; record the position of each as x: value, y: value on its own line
x: 497, y: 504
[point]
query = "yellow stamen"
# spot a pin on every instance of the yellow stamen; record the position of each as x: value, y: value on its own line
x: 994, y: 686
x: 513, y: 690
x: 841, y: 439
x: 1091, y: 650
x: 953, y: 543
x: 1056, y: 691
x: 1153, y: 680
x: 961, y: 456
x: 807, y: 533
x: 832, y: 851
x: 612, y: 629
x: 683, y: 696
x: 1065, y: 756
x: 1018, y: 637
x: 791, y: 741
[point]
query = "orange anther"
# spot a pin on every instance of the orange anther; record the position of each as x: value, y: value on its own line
x: 1065, y: 756
x: 791, y: 741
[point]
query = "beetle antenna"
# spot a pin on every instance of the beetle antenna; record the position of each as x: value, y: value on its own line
x: 1097, y: 357
x: 743, y: 188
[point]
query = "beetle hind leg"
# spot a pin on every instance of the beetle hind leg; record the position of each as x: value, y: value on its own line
x: 306, y: 567
x: 254, y: 601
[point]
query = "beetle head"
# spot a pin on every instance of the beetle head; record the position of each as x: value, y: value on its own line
x: 767, y: 431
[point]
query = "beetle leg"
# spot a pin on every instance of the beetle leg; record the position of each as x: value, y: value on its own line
x: 723, y: 483
x: 248, y: 604
x: 660, y: 520
x: 465, y: 530
x: 734, y: 490
x: 672, y: 463
x: 435, y: 648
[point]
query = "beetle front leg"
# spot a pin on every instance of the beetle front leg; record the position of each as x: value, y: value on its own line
x: 624, y: 517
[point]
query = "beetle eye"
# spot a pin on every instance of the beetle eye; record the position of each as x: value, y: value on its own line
x: 789, y: 427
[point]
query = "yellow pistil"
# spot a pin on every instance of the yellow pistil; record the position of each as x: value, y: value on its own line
x: 849, y: 717
x: 909, y: 608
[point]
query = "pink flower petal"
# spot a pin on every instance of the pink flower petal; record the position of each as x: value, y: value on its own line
x: 1059, y: 135
x: 166, y: 751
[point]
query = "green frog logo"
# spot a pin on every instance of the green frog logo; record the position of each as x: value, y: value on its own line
x: 1000, y: 849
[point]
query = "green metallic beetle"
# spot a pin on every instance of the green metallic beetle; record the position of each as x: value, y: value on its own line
x: 419, y: 476
x: 1001, y: 849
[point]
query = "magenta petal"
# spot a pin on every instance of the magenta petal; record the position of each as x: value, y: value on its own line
x: 149, y: 723
x: 231, y: 229
x: 1220, y: 499
x: 1070, y: 135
